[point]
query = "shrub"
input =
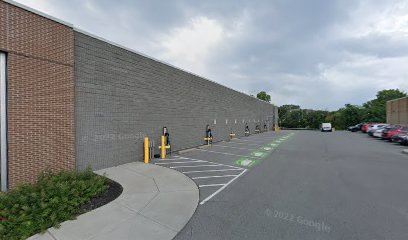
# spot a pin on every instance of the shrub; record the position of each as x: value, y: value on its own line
x: 33, y: 208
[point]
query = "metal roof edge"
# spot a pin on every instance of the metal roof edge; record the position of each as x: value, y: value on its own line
x: 38, y: 13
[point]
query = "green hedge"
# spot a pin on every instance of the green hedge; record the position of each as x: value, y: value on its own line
x: 30, y: 209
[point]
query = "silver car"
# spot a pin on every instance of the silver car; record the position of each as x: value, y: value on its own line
x: 373, y: 128
x: 378, y: 133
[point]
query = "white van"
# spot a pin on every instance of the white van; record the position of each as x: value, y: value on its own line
x: 326, y: 127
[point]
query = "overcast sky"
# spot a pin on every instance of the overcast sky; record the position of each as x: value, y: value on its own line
x: 318, y: 54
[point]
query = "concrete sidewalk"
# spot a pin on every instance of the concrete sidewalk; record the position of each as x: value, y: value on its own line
x: 156, y: 203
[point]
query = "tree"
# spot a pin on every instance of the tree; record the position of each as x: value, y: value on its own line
x: 294, y: 119
x: 292, y: 116
x: 375, y: 110
x: 263, y: 96
x: 314, y: 118
x: 352, y: 115
x: 347, y: 116
x: 285, y: 118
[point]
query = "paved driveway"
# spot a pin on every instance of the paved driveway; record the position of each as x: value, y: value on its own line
x: 213, y: 168
x: 311, y: 185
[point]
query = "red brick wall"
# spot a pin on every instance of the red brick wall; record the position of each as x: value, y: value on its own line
x: 40, y: 93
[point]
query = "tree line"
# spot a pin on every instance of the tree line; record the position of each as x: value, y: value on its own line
x: 293, y: 116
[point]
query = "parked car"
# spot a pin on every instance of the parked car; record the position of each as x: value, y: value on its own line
x: 374, y: 127
x: 364, y: 127
x: 390, y: 131
x: 355, y: 128
x: 404, y: 139
x: 378, y: 133
x: 326, y: 127
x: 401, y: 138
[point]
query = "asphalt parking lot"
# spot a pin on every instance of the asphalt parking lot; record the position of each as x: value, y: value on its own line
x: 311, y: 185
x: 215, y: 167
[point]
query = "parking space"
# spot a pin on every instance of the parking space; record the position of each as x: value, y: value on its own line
x: 331, y: 179
x: 210, y: 177
x: 215, y: 167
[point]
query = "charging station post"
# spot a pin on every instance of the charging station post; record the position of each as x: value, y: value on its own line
x: 146, y: 150
x: 165, y: 143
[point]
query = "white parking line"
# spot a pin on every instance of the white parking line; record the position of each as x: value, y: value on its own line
x: 210, y: 162
x: 228, y: 154
x: 221, y: 176
x: 212, y: 165
x: 236, y: 147
x: 212, y: 185
x: 222, y: 188
x: 180, y: 162
x: 245, y: 143
x: 194, y: 159
x: 250, y: 140
x: 266, y: 139
x: 218, y: 170
x: 260, y: 136
x: 168, y: 159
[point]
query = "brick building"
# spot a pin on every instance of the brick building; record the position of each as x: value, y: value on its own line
x: 397, y: 111
x: 70, y: 99
x: 39, y: 102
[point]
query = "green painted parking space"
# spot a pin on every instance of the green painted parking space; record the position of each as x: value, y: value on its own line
x: 258, y: 154
x: 246, y: 162
x: 280, y: 140
x: 266, y: 148
x: 261, y: 153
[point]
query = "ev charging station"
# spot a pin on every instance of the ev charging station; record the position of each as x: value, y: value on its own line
x: 208, y: 135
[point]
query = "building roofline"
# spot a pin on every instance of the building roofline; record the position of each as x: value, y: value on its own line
x: 157, y: 60
x: 397, y: 99
x: 39, y: 13
x: 118, y: 45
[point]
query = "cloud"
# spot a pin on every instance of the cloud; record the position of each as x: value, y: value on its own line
x: 376, y: 17
x: 196, y: 45
x: 317, y: 53
x: 367, y: 74
x: 191, y: 45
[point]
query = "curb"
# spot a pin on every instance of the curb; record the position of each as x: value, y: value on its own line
x: 156, y: 203
x: 405, y: 151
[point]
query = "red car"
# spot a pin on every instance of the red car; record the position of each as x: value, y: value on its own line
x: 365, y: 126
x: 391, y: 131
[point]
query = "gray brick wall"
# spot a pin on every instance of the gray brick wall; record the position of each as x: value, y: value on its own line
x: 121, y: 96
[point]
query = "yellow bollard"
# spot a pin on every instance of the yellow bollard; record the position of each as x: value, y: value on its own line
x: 146, y: 150
x: 163, y: 148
